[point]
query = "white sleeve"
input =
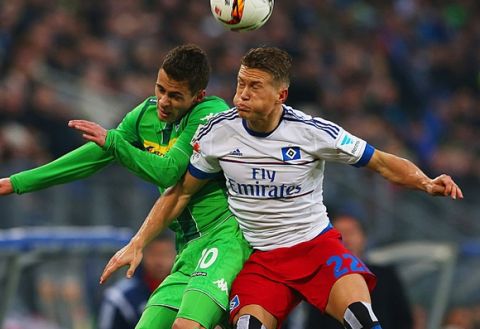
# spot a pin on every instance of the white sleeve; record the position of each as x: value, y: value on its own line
x: 203, y: 165
x: 343, y: 147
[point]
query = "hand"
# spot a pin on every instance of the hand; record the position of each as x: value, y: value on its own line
x: 6, y: 187
x: 91, y: 131
x: 130, y: 255
x: 444, y: 185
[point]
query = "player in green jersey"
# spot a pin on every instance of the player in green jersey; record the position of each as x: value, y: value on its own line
x: 153, y: 141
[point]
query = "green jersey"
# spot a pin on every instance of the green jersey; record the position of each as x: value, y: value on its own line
x: 153, y: 150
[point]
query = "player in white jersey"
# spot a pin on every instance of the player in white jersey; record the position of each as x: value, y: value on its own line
x: 273, y: 159
x: 275, y: 180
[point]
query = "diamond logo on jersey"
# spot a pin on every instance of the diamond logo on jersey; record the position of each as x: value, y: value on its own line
x: 222, y: 284
x: 291, y: 153
x: 346, y: 140
x: 234, y: 303
x: 236, y: 152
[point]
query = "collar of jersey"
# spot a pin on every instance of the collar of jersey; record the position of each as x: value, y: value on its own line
x: 261, y: 134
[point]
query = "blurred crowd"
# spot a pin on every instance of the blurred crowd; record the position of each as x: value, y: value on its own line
x: 403, y: 74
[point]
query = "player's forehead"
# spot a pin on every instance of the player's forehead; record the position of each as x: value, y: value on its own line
x: 247, y: 74
x: 170, y: 85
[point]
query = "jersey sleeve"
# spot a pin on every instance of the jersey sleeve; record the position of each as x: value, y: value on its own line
x: 203, y: 166
x: 128, y: 127
x: 80, y: 163
x: 77, y: 164
x: 333, y: 143
x: 199, y: 118
x: 166, y: 170
x: 203, y: 163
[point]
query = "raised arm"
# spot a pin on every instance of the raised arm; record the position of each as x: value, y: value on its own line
x: 168, y: 207
x: 403, y: 172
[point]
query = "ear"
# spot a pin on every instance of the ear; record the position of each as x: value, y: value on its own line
x: 282, y: 95
x: 200, y: 96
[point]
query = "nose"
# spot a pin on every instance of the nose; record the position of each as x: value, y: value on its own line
x: 163, y: 100
x: 245, y: 93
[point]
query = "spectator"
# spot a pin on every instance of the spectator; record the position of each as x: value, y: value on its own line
x: 124, y: 301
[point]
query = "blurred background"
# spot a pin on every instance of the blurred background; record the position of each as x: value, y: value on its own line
x: 404, y: 75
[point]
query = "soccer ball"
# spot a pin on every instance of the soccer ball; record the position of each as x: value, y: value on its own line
x: 242, y: 15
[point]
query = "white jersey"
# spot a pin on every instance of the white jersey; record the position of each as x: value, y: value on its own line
x: 274, y: 180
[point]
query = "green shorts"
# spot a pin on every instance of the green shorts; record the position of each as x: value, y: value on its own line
x: 161, y: 317
x: 207, y: 265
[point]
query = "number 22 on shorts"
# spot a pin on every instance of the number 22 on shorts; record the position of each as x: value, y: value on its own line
x: 355, y: 264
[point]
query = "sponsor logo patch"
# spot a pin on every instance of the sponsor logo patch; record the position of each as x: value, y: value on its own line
x: 349, y: 144
x: 222, y: 284
x: 198, y: 274
x: 346, y: 140
x: 236, y: 152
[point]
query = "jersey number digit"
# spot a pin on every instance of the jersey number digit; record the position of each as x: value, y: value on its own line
x: 340, y: 269
x: 356, y: 264
x: 209, y: 256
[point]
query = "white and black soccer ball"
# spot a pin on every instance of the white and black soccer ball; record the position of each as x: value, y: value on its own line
x: 242, y: 15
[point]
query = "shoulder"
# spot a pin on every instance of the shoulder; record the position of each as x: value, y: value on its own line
x: 211, y: 104
x: 308, y: 122
x: 204, y: 110
x: 151, y: 100
x: 216, y: 122
x: 148, y: 104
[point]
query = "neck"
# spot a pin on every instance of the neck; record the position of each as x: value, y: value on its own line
x: 268, y: 123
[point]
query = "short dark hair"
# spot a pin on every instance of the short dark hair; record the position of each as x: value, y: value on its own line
x: 188, y: 63
x: 273, y: 60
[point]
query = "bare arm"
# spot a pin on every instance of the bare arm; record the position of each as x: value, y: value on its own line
x: 169, y: 206
x: 403, y: 172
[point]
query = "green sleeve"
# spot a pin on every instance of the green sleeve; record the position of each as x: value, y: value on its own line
x: 80, y: 163
x: 128, y: 127
x: 163, y: 171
